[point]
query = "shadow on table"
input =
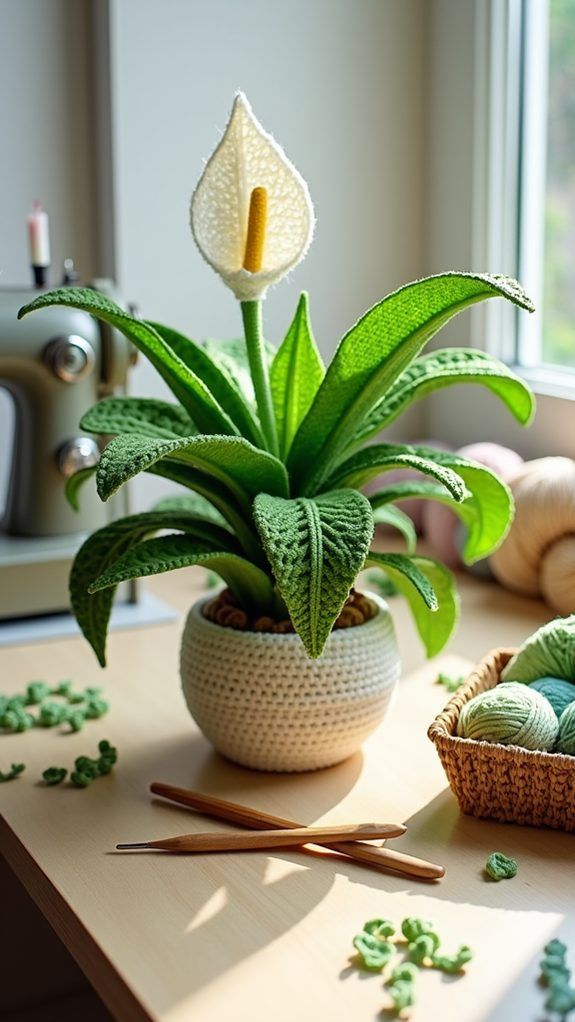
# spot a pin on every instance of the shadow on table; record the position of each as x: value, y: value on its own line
x: 236, y: 905
x: 441, y: 832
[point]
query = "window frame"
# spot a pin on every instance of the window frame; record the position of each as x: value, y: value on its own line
x: 473, y: 208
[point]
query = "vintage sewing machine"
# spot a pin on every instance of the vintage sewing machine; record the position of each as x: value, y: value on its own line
x: 54, y: 365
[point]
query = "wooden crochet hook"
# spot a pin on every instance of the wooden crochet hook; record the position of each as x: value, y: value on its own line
x: 242, y: 841
x: 221, y: 809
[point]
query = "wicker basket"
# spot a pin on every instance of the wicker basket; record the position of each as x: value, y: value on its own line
x: 503, y: 782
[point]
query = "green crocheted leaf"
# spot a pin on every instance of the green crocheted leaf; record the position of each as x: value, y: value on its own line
x: 187, y: 387
x: 194, y: 504
x: 225, y: 391
x: 488, y: 502
x: 442, y: 369
x: 75, y: 483
x: 379, y: 458
x: 316, y: 548
x: 295, y: 376
x: 144, y: 416
x: 232, y: 358
x: 371, y: 357
x: 392, y: 516
x: 105, y: 546
x: 253, y: 588
x: 429, y: 589
x: 484, y: 511
x: 242, y: 468
x: 220, y: 497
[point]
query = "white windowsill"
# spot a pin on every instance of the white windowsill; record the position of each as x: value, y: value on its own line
x: 550, y: 381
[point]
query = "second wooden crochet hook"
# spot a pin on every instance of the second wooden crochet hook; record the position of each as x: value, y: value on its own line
x: 384, y: 858
x: 242, y: 841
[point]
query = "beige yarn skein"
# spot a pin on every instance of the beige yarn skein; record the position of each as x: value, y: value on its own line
x: 538, y: 556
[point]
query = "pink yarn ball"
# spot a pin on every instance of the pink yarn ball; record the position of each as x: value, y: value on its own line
x: 439, y: 524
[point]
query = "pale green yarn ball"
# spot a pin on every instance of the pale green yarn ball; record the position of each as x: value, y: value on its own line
x: 566, y: 737
x: 549, y: 652
x: 511, y: 714
x: 557, y: 692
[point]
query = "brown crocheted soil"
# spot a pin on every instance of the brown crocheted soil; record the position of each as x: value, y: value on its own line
x: 224, y: 610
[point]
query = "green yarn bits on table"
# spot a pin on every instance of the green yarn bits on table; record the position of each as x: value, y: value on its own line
x: 566, y: 737
x: 510, y: 714
x: 557, y: 692
x: 500, y: 866
x: 550, y: 651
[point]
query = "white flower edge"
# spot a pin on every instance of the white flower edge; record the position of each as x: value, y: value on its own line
x: 248, y: 157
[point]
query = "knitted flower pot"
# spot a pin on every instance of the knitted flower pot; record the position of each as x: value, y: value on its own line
x: 265, y: 704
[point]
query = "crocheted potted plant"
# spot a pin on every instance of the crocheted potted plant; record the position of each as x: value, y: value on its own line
x: 290, y: 669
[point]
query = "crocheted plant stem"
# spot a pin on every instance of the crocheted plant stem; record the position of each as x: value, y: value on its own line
x: 252, y: 320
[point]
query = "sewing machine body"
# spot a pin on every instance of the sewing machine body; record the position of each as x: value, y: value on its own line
x: 54, y: 364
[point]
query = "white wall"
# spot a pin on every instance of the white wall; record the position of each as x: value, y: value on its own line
x: 339, y: 84
x: 46, y: 146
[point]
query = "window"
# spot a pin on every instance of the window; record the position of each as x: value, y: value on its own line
x: 546, y: 258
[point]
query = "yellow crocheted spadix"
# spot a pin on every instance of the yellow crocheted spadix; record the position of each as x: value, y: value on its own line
x: 256, y: 236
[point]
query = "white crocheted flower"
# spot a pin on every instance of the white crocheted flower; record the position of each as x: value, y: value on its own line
x: 248, y: 158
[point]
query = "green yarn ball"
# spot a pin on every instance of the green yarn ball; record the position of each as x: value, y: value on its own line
x: 510, y: 714
x: 557, y: 692
x: 566, y: 737
x: 549, y: 652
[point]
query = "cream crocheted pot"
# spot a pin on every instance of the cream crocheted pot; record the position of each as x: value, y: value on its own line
x: 263, y: 703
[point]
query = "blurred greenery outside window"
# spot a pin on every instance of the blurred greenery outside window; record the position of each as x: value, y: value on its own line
x: 547, y: 219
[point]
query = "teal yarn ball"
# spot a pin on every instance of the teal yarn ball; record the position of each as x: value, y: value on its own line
x: 557, y: 692
x: 566, y: 737
x: 510, y: 714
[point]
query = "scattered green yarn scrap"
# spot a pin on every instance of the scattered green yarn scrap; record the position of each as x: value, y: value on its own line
x: 76, y: 719
x: 453, y: 963
x: 374, y: 953
x: 556, y: 976
x: 16, y: 719
x: 51, y: 714
x: 36, y: 691
x: 449, y: 683
x: 88, y: 769
x: 376, y: 948
x: 500, y: 866
x: 54, y: 775
x: 15, y: 770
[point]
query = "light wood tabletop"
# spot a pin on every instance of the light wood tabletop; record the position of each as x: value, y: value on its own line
x: 260, y: 935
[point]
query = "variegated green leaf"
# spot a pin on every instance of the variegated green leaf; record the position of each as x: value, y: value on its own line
x: 372, y: 356
x: 243, y: 469
x: 75, y: 483
x: 316, y: 548
x: 225, y: 391
x: 429, y: 589
x: 444, y: 368
x: 296, y: 373
x: 396, y: 519
x: 253, y: 588
x: 373, y: 461
x: 105, y: 546
x: 188, y: 388
x: 143, y: 416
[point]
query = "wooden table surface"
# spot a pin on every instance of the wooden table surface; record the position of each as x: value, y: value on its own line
x: 254, y: 936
